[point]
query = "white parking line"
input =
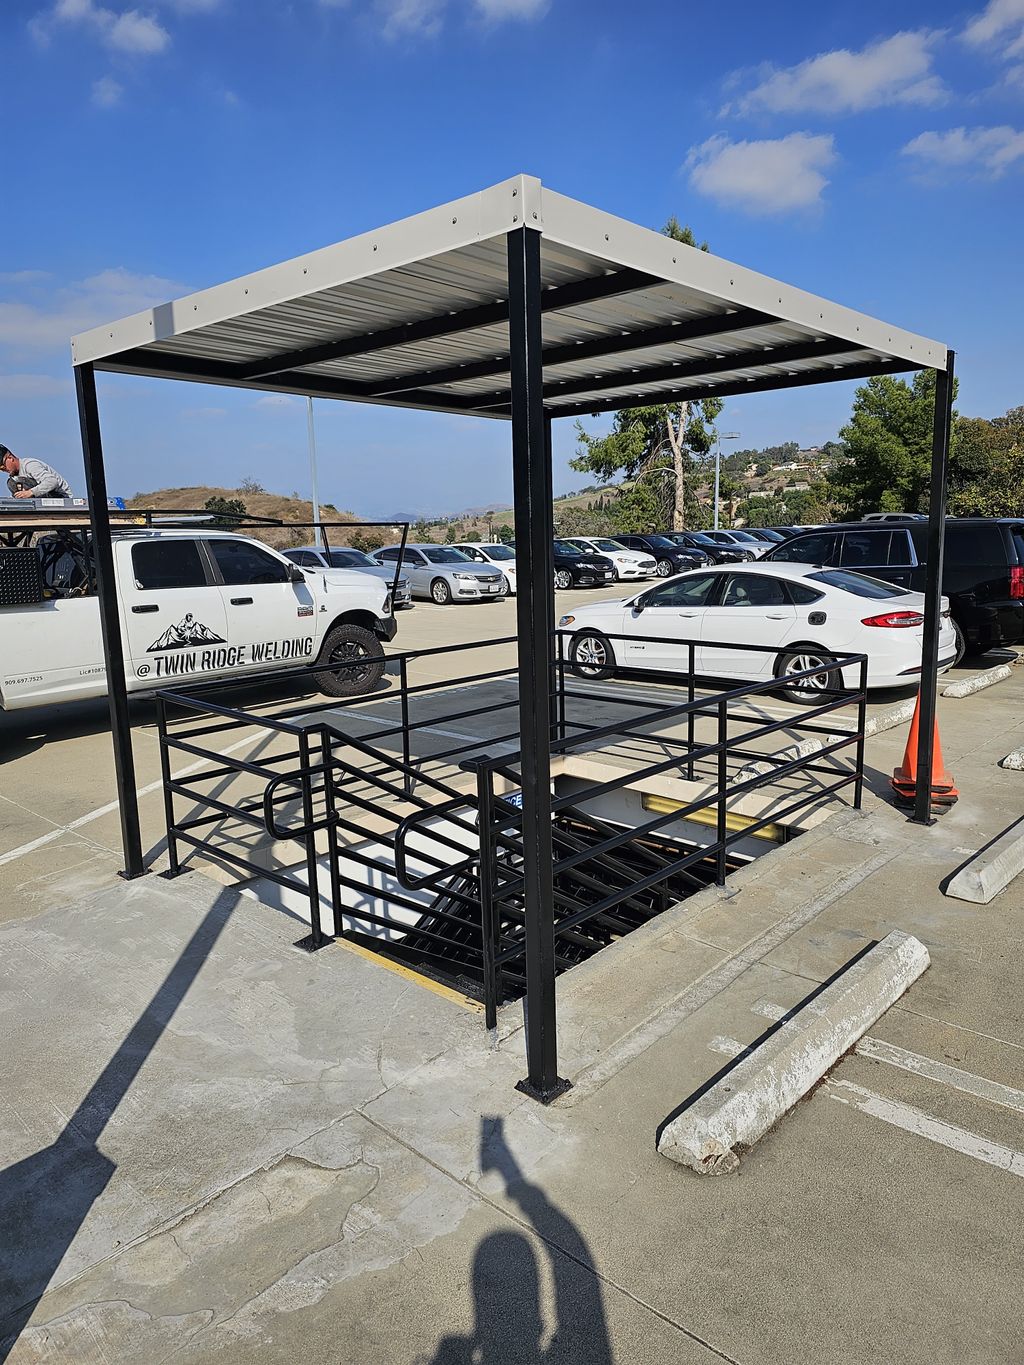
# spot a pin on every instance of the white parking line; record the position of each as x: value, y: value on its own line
x: 100, y: 811
x: 979, y: 1086
x: 920, y: 1124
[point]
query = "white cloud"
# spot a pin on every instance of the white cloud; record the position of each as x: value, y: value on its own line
x: 896, y: 70
x: 410, y: 17
x: 48, y: 317
x: 776, y: 175
x: 987, y: 152
x: 24, y: 276
x: 121, y: 30
x: 496, y: 10
x: 32, y: 386
x: 1000, y: 21
x: 276, y: 400
x: 106, y: 92
x: 203, y: 413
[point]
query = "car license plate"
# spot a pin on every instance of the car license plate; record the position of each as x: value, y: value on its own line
x: 492, y: 589
x: 607, y: 574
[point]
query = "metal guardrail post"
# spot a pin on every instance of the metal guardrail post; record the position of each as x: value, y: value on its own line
x: 723, y: 778
x: 488, y: 909
x: 316, y: 938
x: 327, y: 757
x: 403, y: 685
x: 560, y: 647
x: 690, y: 697
x: 174, y: 867
x: 862, y: 710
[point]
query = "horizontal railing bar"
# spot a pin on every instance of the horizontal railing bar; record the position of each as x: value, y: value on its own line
x: 269, y: 873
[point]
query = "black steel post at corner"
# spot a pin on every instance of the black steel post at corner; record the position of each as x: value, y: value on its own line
x: 941, y: 430
x: 862, y: 716
x: 534, y: 588
x: 110, y: 621
x: 174, y: 868
x: 549, y: 498
x: 722, y: 822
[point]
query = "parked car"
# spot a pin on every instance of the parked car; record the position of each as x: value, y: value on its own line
x: 805, y: 617
x: 627, y: 563
x: 443, y: 574
x: 578, y: 567
x: 491, y: 552
x: 669, y: 558
x: 709, y: 551
x: 743, y: 539
x: 341, y: 557
x: 765, y: 533
x: 196, y: 606
x: 983, y: 568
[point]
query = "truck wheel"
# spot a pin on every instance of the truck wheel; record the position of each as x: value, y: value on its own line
x: 347, y: 644
x: 440, y: 592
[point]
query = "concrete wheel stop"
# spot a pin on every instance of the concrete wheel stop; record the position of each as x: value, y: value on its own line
x: 711, y: 1129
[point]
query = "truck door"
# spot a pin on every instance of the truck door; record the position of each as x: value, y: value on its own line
x: 270, y: 619
x: 173, y: 614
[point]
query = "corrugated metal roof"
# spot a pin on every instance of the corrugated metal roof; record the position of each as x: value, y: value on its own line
x: 416, y: 314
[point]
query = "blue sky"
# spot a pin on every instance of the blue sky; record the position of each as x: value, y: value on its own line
x: 156, y: 146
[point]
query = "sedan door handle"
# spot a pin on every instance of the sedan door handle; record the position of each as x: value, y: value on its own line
x: 241, y: 601
x: 149, y: 606
x: 776, y: 616
x: 688, y: 613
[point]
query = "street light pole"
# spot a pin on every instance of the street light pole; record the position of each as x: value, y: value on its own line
x: 312, y: 463
x: 727, y: 436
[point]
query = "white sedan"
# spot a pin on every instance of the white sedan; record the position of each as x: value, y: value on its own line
x: 800, y: 616
x: 628, y: 563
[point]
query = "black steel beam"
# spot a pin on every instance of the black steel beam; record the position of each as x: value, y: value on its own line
x: 110, y: 620
x: 535, y: 570
x: 687, y: 369
x: 941, y: 427
x: 727, y: 390
x: 448, y: 324
x: 691, y: 329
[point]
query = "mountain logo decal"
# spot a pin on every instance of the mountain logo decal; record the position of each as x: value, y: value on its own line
x: 187, y: 632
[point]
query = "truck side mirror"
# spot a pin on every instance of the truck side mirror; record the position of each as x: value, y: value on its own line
x: 295, y: 574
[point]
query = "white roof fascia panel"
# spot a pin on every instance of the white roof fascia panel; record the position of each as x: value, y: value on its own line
x: 488, y: 213
x: 623, y: 243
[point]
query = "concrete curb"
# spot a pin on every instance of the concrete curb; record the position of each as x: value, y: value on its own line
x: 1014, y: 761
x: 888, y: 720
x: 966, y: 687
x: 991, y: 870
x: 751, y: 1097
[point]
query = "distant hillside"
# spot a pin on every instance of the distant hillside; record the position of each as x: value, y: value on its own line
x: 257, y: 504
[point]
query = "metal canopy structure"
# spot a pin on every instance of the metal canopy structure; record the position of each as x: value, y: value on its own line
x: 514, y: 303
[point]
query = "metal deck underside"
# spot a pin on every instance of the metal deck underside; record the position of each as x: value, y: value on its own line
x: 416, y: 315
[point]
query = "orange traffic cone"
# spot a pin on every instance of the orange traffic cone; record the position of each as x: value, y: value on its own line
x: 904, y: 779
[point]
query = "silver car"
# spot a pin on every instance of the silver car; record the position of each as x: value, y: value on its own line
x: 342, y: 557
x: 443, y: 574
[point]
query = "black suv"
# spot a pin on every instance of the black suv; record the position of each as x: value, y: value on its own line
x: 670, y: 558
x: 576, y: 567
x: 983, y: 567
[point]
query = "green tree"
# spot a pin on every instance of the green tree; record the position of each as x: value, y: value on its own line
x: 885, y: 465
x: 987, y: 478
x: 676, y: 437
x: 367, y: 541
x: 229, y: 510
x: 506, y: 534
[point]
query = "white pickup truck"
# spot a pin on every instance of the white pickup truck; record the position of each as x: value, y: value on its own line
x: 196, y: 605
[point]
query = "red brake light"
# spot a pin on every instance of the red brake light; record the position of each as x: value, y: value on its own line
x: 1016, y: 580
x: 895, y: 619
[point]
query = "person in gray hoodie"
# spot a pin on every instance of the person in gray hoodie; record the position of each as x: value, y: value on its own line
x: 30, y: 478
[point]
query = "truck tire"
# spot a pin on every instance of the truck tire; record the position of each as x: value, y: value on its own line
x: 344, y: 643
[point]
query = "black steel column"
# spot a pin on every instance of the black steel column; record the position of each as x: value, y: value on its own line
x: 941, y: 430
x: 110, y: 620
x: 531, y: 473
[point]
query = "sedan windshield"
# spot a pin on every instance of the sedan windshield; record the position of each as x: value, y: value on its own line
x: 446, y: 554
x: 350, y: 559
x: 858, y: 583
x: 702, y: 539
x: 570, y: 547
x: 662, y: 542
x: 743, y: 536
x: 612, y: 546
x: 499, y: 553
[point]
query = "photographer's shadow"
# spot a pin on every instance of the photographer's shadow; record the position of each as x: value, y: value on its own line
x: 509, y: 1325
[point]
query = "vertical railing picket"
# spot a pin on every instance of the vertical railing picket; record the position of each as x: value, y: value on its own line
x: 723, y: 777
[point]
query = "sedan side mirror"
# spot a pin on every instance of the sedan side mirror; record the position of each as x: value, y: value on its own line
x: 640, y: 604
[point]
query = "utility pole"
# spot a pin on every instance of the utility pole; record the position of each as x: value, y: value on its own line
x: 727, y: 436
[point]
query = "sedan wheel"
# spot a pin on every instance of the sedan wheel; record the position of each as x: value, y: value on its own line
x: 664, y: 568
x: 809, y: 691
x: 563, y: 578
x: 591, y: 656
x: 440, y: 592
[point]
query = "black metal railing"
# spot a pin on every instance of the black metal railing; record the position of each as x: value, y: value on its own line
x: 418, y: 848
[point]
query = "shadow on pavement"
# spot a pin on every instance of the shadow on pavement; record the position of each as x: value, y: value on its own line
x: 45, y: 1199
x: 509, y: 1323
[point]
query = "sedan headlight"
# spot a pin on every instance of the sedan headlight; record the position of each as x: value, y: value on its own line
x: 621, y: 559
x: 566, y: 621
x: 582, y: 564
x: 470, y: 576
